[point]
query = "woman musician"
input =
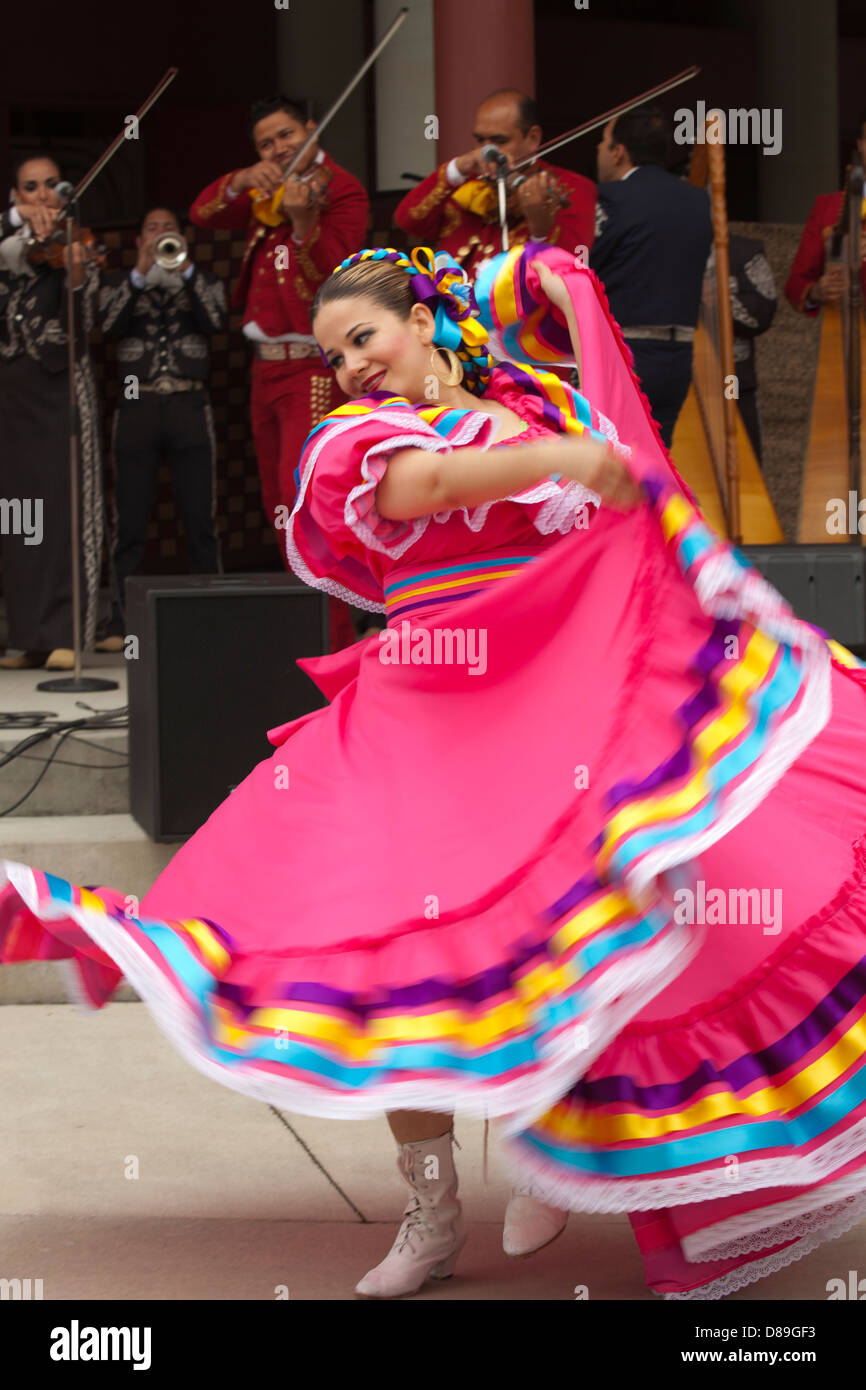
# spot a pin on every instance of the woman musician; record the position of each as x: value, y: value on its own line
x: 34, y: 423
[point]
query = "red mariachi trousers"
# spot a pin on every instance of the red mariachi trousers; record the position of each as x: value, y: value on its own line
x: 287, y: 400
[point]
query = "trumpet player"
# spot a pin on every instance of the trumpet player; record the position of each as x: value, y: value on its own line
x: 456, y: 209
x: 161, y: 314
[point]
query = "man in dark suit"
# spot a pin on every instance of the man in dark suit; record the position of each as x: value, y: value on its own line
x: 653, y: 235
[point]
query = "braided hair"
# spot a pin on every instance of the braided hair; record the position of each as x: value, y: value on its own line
x: 396, y: 280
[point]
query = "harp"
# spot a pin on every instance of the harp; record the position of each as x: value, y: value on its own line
x: 834, y: 457
x: 710, y: 444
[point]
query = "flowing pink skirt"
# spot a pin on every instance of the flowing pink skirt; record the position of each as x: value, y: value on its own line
x: 609, y: 889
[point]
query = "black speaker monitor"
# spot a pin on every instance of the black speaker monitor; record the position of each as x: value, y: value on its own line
x: 212, y: 668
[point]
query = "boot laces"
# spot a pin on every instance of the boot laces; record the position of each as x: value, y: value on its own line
x: 414, y: 1225
x: 416, y: 1217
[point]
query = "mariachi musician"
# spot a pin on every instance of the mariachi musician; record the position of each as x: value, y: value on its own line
x: 161, y: 314
x: 811, y: 281
x: 320, y: 218
x: 456, y: 209
x: 34, y: 423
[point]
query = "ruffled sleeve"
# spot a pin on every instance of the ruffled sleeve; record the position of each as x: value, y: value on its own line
x: 524, y: 327
x: 334, y: 526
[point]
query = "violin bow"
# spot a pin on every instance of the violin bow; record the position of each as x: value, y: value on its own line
x: 168, y: 77
x: 685, y: 76
x: 346, y: 92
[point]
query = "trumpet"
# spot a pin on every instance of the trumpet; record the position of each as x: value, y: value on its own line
x: 170, y: 250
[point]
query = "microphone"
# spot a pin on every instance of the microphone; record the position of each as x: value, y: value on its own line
x: 491, y: 155
x: 64, y: 191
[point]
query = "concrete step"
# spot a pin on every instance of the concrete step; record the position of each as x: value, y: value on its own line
x: 89, y: 774
x: 112, y: 851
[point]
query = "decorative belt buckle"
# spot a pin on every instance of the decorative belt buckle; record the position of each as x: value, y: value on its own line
x: 163, y: 385
x: 272, y: 352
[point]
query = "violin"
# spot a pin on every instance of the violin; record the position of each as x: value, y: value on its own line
x: 267, y: 207
x: 514, y: 180
x: 50, y: 250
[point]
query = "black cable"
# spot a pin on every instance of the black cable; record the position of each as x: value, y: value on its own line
x: 97, y: 719
x: 48, y: 761
x: 47, y: 719
x: 87, y: 743
x: 68, y: 762
x: 116, y: 752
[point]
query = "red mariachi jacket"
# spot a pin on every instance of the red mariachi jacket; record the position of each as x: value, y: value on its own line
x: 279, y: 299
x: 429, y: 214
x: 809, y: 262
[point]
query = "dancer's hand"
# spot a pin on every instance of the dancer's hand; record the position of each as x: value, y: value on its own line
x: 553, y: 285
x: 598, y: 468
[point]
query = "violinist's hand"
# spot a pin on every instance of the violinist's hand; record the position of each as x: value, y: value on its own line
x: 264, y: 177
x: 297, y: 206
x: 472, y: 164
x: 42, y: 220
x: 538, y: 203
x: 297, y: 197
x: 75, y: 260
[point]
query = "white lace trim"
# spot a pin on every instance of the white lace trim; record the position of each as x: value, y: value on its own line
x: 580, y: 1193
x: 755, y: 1230
x: 564, y: 506
x: 361, y: 528
x: 559, y: 1065
x: 759, y: 1269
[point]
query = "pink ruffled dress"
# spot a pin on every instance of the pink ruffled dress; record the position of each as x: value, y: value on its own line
x: 578, y: 844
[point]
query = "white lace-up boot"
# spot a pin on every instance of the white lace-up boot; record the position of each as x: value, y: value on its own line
x: 432, y: 1234
x: 530, y: 1222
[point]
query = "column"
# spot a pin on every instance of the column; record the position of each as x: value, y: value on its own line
x: 479, y: 45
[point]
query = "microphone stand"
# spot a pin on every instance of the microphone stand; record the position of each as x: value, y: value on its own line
x: 76, y: 682
x: 502, y: 196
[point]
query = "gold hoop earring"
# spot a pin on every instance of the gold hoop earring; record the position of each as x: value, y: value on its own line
x: 454, y: 375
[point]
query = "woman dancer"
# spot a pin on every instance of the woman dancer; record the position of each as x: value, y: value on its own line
x: 571, y: 701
